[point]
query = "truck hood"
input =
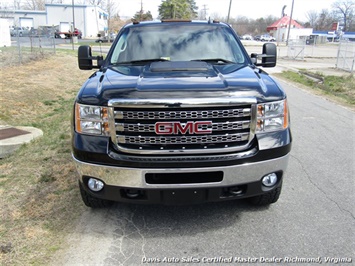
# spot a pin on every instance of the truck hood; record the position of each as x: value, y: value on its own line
x: 159, y: 81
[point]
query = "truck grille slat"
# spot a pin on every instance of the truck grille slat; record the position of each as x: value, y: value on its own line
x: 149, y: 128
x: 141, y: 140
x: 163, y: 115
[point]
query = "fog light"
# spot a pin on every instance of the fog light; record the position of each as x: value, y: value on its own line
x: 269, y: 180
x: 95, y: 185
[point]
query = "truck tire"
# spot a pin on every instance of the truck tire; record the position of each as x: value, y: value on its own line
x: 267, y: 198
x: 91, y: 201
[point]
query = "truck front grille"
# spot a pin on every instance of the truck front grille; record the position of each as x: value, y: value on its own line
x: 191, y: 114
x: 218, y: 128
x: 179, y: 140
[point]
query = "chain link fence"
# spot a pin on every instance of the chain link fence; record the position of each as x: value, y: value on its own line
x: 28, y: 48
x: 346, y: 56
x: 296, y: 49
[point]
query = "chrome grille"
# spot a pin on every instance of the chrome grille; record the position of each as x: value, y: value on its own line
x: 124, y: 127
x: 198, y: 114
x: 133, y: 126
x: 159, y: 140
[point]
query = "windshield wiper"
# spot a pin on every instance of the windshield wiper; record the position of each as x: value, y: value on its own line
x: 215, y: 60
x: 143, y: 61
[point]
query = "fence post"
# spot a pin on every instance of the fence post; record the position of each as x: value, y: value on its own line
x: 19, y: 48
x: 338, y: 55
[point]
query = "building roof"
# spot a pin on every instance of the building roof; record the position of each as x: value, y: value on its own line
x: 284, y: 23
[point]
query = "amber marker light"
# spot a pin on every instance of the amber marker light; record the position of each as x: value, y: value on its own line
x: 104, y: 114
x: 260, y: 110
x: 77, y: 118
x: 285, y: 114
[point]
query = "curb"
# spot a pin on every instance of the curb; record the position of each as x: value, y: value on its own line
x: 18, y: 136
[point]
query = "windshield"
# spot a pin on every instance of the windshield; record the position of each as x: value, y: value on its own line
x: 177, y: 43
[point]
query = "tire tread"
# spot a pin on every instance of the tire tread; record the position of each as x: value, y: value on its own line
x: 91, y: 201
x: 267, y: 198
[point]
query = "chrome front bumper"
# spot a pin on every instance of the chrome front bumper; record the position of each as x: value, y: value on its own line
x: 136, y: 178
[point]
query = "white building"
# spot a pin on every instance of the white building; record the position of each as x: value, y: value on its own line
x: 24, y: 18
x: 88, y: 18
x: 5, y: 39
x: 280, y: 30
x: 295, y: 34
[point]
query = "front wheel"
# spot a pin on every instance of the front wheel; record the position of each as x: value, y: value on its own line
x: 91, y: 201
x: 267, y: 198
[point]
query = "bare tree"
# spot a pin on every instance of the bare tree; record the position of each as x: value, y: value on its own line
x: 262, y: 23
x: 325, y: 20
x: 111, y: 8
x: 241, y: 25
x: 312, y: 17
x: 17, y: 4
x: 100, y: 3
x: 34, y: 5
x: 346, y: 9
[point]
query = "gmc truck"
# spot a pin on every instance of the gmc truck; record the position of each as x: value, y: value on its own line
x: 179, y: 113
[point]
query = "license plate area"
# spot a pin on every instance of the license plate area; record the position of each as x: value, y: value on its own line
x: 184, y: 196
x: 184, y: 178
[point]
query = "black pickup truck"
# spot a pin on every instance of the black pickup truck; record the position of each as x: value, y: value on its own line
x: 179, y: 113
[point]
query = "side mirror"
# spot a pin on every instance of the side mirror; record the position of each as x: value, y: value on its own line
x: 269, y: 49
x: 85, y: 58
x: 268, y: 57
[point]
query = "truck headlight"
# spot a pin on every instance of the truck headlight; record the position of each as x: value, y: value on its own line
x: 272, y: 116
x: 92, y: 120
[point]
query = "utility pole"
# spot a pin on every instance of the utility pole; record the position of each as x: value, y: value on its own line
x: 72, y: 35
x: 278, y: 28
x: 289, y: 24
x: 229, y: 10
x: 205, y: 11
x: 141, y: 12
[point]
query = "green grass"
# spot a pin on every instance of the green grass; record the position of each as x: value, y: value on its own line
x: 38, y: 183
x: 341, y: 88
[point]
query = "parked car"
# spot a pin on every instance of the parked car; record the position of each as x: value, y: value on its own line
x: 19, y: 31
x: 247, y: 37
x: 257, y: 37
x: 103, y: 39
x: 267, y: 38
x: 110, y: 38
x: 33, y: 32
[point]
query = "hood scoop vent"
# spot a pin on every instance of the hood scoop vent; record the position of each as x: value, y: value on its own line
x: 179, y: 66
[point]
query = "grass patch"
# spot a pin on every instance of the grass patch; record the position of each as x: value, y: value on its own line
x: 339, y: 88
x: 38, y: 189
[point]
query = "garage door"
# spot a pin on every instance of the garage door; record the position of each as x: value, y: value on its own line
x: 26, y: 22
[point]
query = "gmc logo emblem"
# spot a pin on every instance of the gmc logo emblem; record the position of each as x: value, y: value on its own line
x: 173, y: 128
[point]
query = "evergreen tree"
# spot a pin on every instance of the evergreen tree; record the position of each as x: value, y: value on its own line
x: 141, y: 16
x: 178, y: 9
